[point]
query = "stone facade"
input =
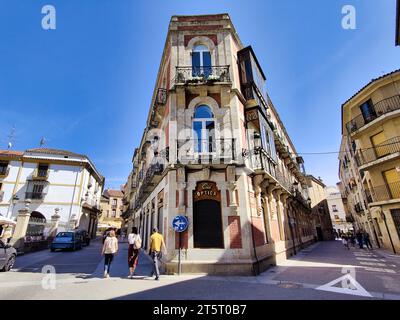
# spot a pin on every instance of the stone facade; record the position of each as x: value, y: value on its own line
x: 216, y: 151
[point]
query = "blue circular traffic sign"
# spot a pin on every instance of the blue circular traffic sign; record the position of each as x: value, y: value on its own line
x: 180, y: 223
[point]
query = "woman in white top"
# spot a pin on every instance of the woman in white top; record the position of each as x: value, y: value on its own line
x: 110, y: 248
x: 135, y: 243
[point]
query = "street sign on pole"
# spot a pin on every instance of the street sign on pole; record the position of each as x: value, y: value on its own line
x: 180, y: 224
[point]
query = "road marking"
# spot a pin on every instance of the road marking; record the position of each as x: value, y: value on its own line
x: 357, y: 291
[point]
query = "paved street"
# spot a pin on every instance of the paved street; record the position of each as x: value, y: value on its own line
x: 79, y: 276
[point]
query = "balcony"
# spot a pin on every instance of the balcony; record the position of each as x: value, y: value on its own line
x: 358, y: 208
x: 40, y: 174
x: 384, y: 149
x: 379, y: 109
x: 201, y: 151
x: 153, y: 175
x: 4, y: 171
x: 385, y: 192
x: 202, y: 75
x: 34, y: 195
x: 298, y: 196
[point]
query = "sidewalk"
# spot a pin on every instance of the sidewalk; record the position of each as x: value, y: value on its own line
x: 119, y: 266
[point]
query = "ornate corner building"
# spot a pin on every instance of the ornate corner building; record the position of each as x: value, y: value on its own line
x: 369, y: 166
x: 215, y: 150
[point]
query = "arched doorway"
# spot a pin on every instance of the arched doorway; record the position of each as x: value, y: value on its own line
x: 207, y: 220
x: 36, y: 225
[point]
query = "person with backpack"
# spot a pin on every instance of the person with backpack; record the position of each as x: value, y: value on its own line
x: 135, y: 243
x: 110, y: 248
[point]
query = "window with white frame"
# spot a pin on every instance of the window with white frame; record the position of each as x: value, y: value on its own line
x: 201, y: 61
x: 204, y: 130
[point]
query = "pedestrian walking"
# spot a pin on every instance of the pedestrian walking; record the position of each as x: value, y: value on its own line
x: 110, y: 248
x: 135, y: 243
x: 367, y: 240
x: 345, y: 241
x: 359, y: 236
x: 352, y: 239
x: 157, y: 246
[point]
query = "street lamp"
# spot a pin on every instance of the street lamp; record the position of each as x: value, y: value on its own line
x: 14, y: 200
x: 257, y: 141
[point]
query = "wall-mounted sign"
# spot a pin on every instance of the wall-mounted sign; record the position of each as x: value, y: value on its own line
x: 206, y: 191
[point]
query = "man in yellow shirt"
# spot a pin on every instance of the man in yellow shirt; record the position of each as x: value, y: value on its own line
x: 156, y: 245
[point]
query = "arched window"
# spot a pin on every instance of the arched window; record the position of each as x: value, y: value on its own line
x: 203, y: 130
x: 201, y: 61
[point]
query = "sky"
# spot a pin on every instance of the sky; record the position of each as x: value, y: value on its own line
x: 87, y: 85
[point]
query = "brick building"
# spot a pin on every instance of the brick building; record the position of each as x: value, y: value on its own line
x: 215, y: 150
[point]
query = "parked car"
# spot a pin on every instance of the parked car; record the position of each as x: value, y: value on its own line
x: 85, y: 237
x: 67, y: 240
x: 8, y: 255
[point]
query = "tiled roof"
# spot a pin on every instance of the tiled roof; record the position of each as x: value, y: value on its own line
x: 370, y: 83
x: 55, y: 152
x: 11, y: 153
x: 114, y: 193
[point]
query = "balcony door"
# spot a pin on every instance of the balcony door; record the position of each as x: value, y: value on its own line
x: 368, y: 111
x: 378, y: 141
x: 393, y: 183
x: 203, y: 130
x: 201, y: 61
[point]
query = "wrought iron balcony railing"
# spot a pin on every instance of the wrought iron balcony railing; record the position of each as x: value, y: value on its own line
x: 385, y: 192
x: 358, y: 208
x: 34, y: 195
x: 202, y: 151
x: 381, y: 108
x: 385, y: 148
x: 201, y: 75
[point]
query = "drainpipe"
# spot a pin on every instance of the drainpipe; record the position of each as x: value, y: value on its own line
x: 72, y: 201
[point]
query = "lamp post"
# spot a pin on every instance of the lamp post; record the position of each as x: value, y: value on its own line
x: 14, y: 200
x: 257, y: 142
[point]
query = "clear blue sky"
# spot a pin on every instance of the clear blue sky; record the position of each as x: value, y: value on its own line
x: 87, y: 86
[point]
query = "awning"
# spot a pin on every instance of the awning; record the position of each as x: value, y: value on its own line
x: 6, y: 221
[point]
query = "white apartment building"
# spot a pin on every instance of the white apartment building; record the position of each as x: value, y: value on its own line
x: 337, y: 210
x: 50, y: 183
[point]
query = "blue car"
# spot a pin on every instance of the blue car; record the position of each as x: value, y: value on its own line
x: 67, y: 240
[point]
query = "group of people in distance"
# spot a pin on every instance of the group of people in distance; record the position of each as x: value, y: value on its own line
x: 110, y: 249
x: 361, y: 237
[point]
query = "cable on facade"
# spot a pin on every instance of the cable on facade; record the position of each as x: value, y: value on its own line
x: 338, y: 152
